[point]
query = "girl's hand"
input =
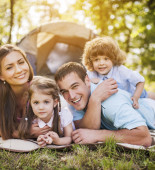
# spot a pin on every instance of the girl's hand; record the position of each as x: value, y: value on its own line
x: 41, y: 140
x: 135, y: 102
x: 54, y: 136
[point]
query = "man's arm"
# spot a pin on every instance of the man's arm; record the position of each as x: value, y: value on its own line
x: 136, y: 136
x: 92, y: 116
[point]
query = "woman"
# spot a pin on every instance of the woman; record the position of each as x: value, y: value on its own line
x: 15, y: 75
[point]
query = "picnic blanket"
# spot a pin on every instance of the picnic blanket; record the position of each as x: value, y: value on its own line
x: 18, y: 145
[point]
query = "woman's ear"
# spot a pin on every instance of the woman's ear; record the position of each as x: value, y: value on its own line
x: 1, y: 78
x: 56, y: 102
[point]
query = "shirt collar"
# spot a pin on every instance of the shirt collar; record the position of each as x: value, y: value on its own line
x: 42, y: 124
x: 109, y: 75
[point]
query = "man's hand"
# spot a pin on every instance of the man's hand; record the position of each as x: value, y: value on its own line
x: 84, y: 136
x: 35, y: 130
x: 105, y: 89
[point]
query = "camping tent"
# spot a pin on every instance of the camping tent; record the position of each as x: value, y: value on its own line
x: 49, y: 46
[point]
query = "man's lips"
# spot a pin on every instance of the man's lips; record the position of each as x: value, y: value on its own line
x: 77, y: 100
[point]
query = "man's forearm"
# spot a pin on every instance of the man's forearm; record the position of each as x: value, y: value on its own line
x: 137, y: 136
x: 92, y: 117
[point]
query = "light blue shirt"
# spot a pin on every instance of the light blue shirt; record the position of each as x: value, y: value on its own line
x: 126, y: 79
x: 118, y: 113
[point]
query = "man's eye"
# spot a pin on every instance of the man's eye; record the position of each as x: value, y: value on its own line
x: 8, y: 68
x: 75, y: 86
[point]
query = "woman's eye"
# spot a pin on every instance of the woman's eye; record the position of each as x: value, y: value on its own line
x: 21, y: 62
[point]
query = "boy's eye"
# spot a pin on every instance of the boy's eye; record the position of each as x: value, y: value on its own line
x: 46, y: 102
x: 21, y: 62
x: 74, y: 87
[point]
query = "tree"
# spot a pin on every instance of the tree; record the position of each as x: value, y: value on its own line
x: 131, y: 23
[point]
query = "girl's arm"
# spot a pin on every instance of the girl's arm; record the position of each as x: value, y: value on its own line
x: 137, y: 94
x: 67, y: 139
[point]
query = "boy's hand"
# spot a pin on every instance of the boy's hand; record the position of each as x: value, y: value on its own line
x: 135, y: 102
x: 95, y: 80
x: 54, y: 136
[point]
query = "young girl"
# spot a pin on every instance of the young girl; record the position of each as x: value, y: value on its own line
x: 103, y: 59
x: 44, y: 109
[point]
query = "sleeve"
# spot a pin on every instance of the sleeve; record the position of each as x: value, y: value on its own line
x: 66, y: 117
x: 128, y: 118
x: 92, y: 74
x: 131, y: 76
x: 77, y: 114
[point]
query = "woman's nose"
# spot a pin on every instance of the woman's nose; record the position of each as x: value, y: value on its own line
x: 18, y: 69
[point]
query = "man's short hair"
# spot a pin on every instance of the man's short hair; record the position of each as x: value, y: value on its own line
x: 70, y: 67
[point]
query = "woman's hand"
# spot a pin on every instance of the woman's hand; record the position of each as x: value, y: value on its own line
x: 35, y: 130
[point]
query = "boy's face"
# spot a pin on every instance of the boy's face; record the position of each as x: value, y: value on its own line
x: 75, y: 91
x: 102, y: 64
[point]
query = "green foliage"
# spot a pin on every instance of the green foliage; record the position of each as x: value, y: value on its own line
x: 131, y: 23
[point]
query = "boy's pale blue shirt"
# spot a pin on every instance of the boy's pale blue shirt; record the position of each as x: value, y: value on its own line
x: 126, y: 79
x: 118, y: 113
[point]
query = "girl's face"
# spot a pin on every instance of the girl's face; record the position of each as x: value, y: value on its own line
x: 102, y: 64
x: 43, y: 105
x: 14, y: 69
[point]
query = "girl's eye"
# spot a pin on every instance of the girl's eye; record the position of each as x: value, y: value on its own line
x: 35, y: 102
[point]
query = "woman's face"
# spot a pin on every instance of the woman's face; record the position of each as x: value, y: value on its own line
x: 14, y: 69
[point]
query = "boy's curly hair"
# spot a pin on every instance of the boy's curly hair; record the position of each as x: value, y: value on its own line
x: 105, y: 46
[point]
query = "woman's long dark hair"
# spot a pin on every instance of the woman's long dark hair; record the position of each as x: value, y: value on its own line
x: 8, y: 103
x: 46, y: 86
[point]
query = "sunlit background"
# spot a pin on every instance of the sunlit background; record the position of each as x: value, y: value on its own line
x: 131, y: 23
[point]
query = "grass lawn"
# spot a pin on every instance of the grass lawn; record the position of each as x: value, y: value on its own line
x: 105, y: 157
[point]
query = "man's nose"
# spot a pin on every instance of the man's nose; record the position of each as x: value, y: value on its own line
x: 71, y: 94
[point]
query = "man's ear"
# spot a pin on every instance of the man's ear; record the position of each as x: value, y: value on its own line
x: 56, y: 102
x: 87, y: 81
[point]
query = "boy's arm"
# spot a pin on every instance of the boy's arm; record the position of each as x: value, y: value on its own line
x: 92, y: 116
x: 136, y: 136
x: 137, y: 94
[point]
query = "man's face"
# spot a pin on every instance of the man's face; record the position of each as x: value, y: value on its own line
x: 75, y: 91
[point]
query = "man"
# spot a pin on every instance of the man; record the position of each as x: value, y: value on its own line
x: 85, y: 105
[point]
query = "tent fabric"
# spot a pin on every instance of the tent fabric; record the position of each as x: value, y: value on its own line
x: 39, y: 43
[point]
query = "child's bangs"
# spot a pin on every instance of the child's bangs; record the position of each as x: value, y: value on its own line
x: 98, y: 51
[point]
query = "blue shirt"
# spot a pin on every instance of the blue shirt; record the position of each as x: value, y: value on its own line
x: 126, y: 79
x: 118, y: 113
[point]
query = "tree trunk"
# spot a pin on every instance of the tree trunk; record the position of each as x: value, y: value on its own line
x: 11, y: 20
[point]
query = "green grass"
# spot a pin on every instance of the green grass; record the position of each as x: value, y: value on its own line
x: 108, y: 156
